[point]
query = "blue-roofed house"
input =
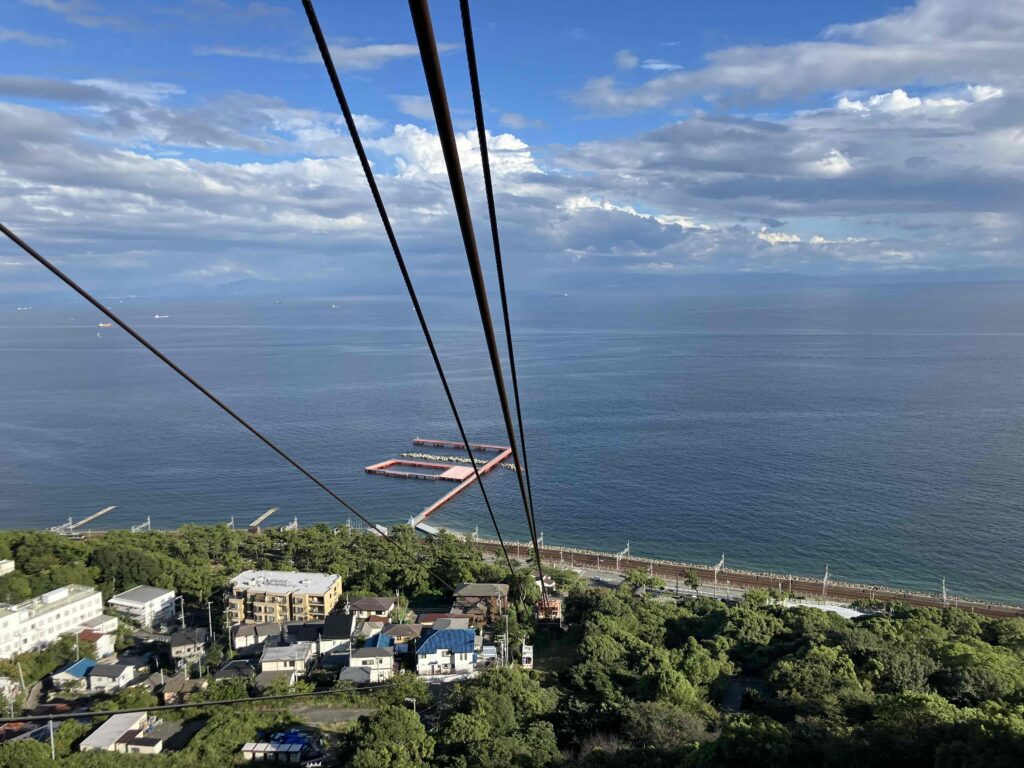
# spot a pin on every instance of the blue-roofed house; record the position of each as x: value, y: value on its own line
x: 379, y: 641
x: 72, y: 675
x: 446, y: 652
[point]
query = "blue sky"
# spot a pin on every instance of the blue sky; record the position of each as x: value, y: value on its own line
x: 184, y: 146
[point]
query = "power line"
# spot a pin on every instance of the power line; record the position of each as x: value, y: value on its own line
x: 478, y: 107
x: 161, y: 707
x: 332, y: 73
x: 446, y: 133
x: 212, y: 397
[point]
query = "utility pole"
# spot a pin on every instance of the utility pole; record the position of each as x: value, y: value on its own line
x: 22, y: 676
x: 53, y: 744
x: 824, y: 584
x: 209, y: 621
x: 182, y: 599
x: 718, y: 567
x: 945, y: 598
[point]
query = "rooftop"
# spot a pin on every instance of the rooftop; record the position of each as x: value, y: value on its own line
x: 54, y: 599
x: 374, y: 604
x: 113, y: 729
x: 142, y: 594
x: 340, y: 625
x: 193, y: 636
x: 78, y: 668
x: 370, y: 652
x: 454, y: 640
x: 286, y: 582
x: 481, y: 590
x: 109, y: 670
x: 297, y: 652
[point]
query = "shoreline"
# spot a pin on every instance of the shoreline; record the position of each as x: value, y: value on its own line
x: 835, y: 591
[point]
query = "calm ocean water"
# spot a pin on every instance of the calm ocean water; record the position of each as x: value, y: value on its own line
x: 879, y: 429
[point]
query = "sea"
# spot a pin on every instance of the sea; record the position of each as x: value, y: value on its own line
x: 877, y: 429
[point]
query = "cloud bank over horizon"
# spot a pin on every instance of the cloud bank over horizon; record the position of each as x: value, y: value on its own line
x: 890, y: 145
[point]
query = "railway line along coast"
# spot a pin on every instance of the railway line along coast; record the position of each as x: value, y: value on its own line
x: 731, y: 580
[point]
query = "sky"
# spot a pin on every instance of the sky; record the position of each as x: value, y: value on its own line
x: 196, y: 147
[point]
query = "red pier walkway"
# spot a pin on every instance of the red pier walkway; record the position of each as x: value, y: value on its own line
x: 455, y: 473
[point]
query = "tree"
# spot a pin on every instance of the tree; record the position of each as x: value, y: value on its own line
x: 636, y: 578
x: 692, y: 580
x: 394, y: 737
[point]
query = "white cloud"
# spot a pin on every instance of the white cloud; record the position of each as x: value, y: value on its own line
x: 27, y: 38
x: 898, y: 101
x: 777, y: 238
x: 657, y: 65
x: 414, y: 106
x: 345, y: 54
x: 834, y: 163
x: 626, y: 60
x: 932, y: 43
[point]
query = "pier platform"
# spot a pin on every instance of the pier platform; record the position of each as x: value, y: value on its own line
x: 441, y: 471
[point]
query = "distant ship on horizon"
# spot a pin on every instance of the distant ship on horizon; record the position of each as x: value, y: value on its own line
x: 105, y: 325
x: 160, y: 317
x: 24, y: 309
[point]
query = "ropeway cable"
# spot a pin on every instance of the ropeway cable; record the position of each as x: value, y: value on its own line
x: 332, y: 73
x: 212, y: 397
x: 446, y: 133
x: 478, y: 107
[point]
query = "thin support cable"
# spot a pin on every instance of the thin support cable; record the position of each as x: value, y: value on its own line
x: 481, y: 129
x: 339, y: 92
x: 209, y: 395
x: 446, y: 133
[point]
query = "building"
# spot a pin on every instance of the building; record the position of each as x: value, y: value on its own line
x: 234, y: 670
x: 104, y: 644
x: 102, y: 623
x: 180, y: 688
x: 446, y: 652
x: 380, y: 662
x: 482, y: 602
x: 403, y: 636
x: 287, y: 658
x: 187, y: 646
x: 461, y: 622
x: 365, y: 607
x: 73, y: 675
x: 355, y: 675
x: 549, y: 609
x: 146, y: 606
x: 6, y: 566
x: 262, y: 597
x: 34, y: 624
x: 106, y: 737
x: 339, y: 628
x: 105, y: 678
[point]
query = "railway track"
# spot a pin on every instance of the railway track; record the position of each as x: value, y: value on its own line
x: 812, y: 588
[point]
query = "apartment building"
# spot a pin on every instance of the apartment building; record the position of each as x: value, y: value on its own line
x: 36, y: 623
x: 262, y: 597
x: 144, y: 605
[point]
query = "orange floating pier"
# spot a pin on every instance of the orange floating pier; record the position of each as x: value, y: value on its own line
x: 454, y: 473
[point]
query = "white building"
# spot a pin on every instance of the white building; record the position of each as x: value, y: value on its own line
x: 146, y: 606
x: 287, y: 658
x: 446, y: 652
x: 6, y: 566
x: 106, y: 737
x: 110, y: 677
x: 380, y: 662
x: 36, y: 623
